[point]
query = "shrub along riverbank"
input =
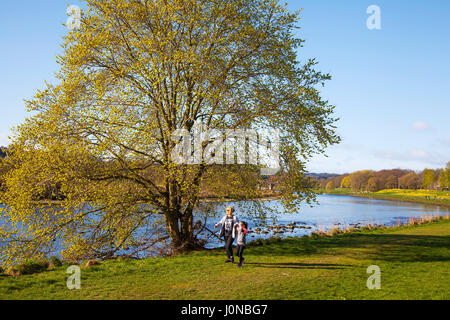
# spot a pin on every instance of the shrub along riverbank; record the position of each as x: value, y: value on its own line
x: 413, y: 261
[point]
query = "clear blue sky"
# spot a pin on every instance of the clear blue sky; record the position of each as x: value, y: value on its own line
x: 391, y: 87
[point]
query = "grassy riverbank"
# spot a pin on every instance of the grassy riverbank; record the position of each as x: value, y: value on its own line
x: 414, y: 263
x: 421, y: 196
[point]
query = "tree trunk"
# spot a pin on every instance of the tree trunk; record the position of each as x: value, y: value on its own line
x: 173, y: 230
x: 180, y: 223
x: 181, y: 232
x: 187, y: 227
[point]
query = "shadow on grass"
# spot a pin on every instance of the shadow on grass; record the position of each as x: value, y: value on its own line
x: 387, y: 247
x: 298, y: 265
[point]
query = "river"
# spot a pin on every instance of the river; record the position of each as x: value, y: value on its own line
x: 332, y: 211
x: 342, y: 211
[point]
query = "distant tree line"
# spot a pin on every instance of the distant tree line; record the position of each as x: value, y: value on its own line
x: 372, y: 181
x: 3, y: 152
x: 359, y: 181
x: 3, y: 167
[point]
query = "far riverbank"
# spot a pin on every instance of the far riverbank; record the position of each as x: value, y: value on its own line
x: 434, y: 197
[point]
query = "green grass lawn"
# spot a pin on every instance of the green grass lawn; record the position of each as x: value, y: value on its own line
x: 414, y: 264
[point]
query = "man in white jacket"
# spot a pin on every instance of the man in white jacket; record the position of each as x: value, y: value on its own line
x: 228, y: 224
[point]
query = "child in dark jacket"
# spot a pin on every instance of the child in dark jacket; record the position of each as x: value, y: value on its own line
x: 242, y: 231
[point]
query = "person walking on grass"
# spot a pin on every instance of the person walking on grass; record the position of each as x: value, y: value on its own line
x: 228, y: 232
x: 242, y: 231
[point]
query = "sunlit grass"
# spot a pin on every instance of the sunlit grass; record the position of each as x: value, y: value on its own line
x: 418, y: 193
x: 414, y: 262
x: 423, y: 196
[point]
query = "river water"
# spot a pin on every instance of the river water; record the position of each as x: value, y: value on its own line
x: 340, y: 211
x: 332, y: 211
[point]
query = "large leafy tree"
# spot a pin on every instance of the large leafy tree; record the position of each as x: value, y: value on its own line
x: 134, y: 73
